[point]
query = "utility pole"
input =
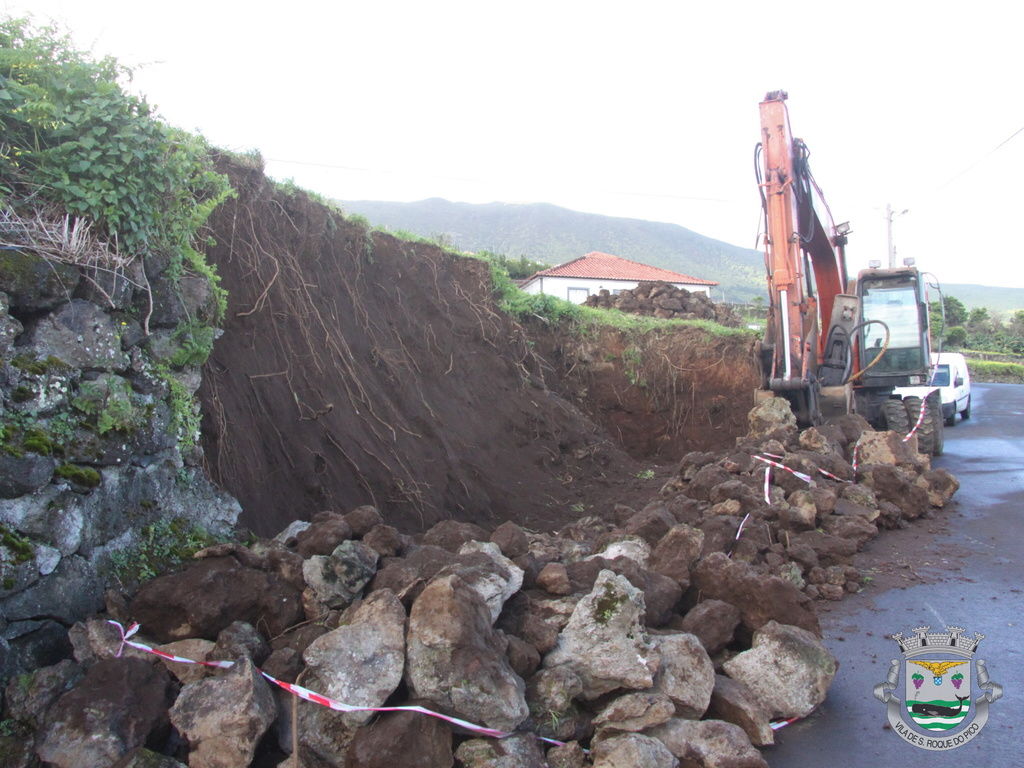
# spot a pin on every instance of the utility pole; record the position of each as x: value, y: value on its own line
x: 889, y: 216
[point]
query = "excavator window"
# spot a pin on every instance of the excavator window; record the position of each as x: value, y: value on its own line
x: 896, y: 305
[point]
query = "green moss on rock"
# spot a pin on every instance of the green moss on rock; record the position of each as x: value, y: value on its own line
x: 87, y: 477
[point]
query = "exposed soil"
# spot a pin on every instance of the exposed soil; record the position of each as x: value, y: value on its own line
x: 359, y: 368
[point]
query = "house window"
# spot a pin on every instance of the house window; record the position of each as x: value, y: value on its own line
x: 578, y: 295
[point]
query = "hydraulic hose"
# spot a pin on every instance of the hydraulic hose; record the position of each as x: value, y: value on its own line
x: 885, y: 346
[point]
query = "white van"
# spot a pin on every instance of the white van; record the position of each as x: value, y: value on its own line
x: 950, y: 375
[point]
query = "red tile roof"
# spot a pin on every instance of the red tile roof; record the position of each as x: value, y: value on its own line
x: 604, y: 266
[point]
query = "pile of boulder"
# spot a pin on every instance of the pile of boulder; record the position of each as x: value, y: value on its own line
x: 666, y: 301
x: 671, y: 635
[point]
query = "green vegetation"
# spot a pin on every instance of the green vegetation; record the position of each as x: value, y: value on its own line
x: 163, y: 546
x: 986, y: 370
x: 111, y: 404
x: 541, y: 306
x: 74, y: 137
x: 608, y: 603
x: 86, y: 477
x: 20, y: 548
x: 977, y: 329
x: 518, y: 269
x: 195, y: 342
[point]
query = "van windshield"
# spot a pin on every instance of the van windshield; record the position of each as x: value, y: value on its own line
x: 941, y: 376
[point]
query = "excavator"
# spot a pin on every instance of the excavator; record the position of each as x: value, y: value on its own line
x: 835, y: 345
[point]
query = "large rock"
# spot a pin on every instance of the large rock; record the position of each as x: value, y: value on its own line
x: 457, y: 660
x: 168, y: 607
x: 24, y: 474
x: 635, y: 712
x: 733, y: 702
x: 196, y: 649
x: 30, y: 696
x: 323, y: 535
x: 33, y: 283
x: 760, y: 598
x: 73, y: 590
x: 117, y: 707
x: 339, y: 578
x: 521, y: 750
x: 940, y: 486
x: 676, y: 552
x: 489, y: 573
x: 889, y: 448
x: 225, y: 717
x: 788, y: 669
x: 686, y: 674
x: 406, y: 576
x: 897, y: 486
x: 713, y: 622
x: 604, y: 642
x: 708, y: 744
x: 769, y: 416
x: 361, y: 662
x: 408, y: 739
x: 240, y: 639
x: 81, y: 335
x: 452, y: 534
x: 511, y: 539
x: 632, y: 749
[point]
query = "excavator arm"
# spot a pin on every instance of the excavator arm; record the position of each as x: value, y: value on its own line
x: 804, y: 260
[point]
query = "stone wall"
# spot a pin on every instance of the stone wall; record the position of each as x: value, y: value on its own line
x: 96, y: 413
x: 663, y: 300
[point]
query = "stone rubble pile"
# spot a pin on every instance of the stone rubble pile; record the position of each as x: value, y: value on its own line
x: 655, y: 639
x: 666, y: 301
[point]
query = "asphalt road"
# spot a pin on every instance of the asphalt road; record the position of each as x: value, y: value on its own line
x: 963, y: 567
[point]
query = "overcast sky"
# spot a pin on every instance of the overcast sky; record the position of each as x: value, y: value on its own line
x: 645, y: 109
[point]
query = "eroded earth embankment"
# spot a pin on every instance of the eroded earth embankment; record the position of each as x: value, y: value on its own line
x: 356, y: 367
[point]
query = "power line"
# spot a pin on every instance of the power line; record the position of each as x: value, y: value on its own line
x: 983, y: 158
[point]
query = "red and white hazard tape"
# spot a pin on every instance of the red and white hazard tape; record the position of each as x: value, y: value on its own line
x: 316, y: 698
x: 806, y: 478
x: 776, y: 724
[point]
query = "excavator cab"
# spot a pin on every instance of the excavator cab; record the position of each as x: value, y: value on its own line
x: 894, y: 346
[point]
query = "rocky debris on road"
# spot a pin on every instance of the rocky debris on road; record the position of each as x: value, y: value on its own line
x: 671, y: 635
x: 664, y: 300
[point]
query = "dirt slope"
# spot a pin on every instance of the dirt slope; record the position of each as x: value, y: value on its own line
x: 361, y: 369
x: 358, y: 368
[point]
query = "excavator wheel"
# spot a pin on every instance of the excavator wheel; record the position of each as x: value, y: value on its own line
x: 895, y: 416
x: 927, y: 439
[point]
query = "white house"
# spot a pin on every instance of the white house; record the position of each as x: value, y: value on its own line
x: 577, y: 279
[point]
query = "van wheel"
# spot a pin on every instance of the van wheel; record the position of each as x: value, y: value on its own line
x: 951, y: 421
x: 965, y: 414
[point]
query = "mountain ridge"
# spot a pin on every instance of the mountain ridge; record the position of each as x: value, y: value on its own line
x: 554, y: 235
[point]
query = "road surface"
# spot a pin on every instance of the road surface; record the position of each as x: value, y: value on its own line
x: 963, y: 567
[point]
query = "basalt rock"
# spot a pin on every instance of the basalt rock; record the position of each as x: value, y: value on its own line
x: 167, y: 606
x: 760, y: 599
x: 604, y: 642
x: 788, y: 670
x: 223, y: 718
x: 115, y: 708
x: 456, y: 660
